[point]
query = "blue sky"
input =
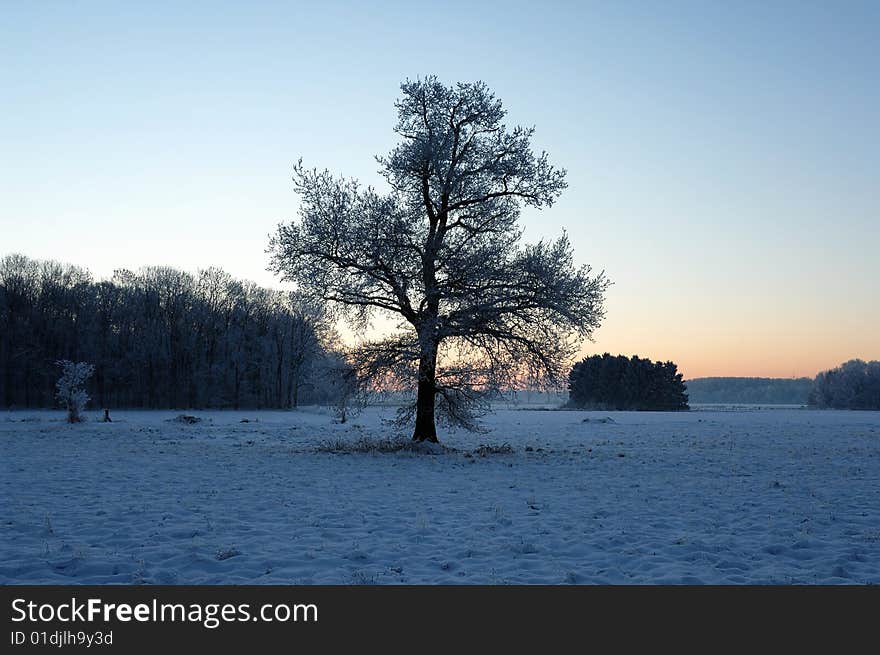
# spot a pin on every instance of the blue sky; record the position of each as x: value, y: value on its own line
x: 723, y: 158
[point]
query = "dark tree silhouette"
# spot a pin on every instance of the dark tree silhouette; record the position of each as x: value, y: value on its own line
x: 441, y: 252
x: 621, y: 383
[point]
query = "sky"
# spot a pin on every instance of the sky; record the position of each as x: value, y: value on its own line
x: 723, y: 158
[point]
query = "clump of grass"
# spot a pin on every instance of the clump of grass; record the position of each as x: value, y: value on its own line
x: 226, y: 553
x: 484, y: 450
x: 186, y: 418
x: 362, y: 578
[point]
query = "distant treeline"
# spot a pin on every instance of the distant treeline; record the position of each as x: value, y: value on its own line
x: 158, y: 338
x: 769, y: 391
x: 607, y: 382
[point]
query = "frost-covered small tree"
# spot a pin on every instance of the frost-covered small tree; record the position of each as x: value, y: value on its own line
x: 343, y: 387
x: 476, y: 310
x: 70, y: 388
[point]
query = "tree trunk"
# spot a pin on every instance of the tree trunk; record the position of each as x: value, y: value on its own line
x: 237, y: 387
x: 426, y: 430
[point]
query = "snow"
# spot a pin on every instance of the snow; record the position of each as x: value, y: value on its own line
x: 709, y: 496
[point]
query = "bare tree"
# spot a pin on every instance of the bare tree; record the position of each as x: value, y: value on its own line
x: 309, y: 334
x: 476, y: 309
x: 341, y: 379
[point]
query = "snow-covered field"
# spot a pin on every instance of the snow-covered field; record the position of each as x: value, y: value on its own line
x: 729, y: 497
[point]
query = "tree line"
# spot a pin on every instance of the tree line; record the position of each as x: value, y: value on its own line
x: 159, y: 338
x: 775, y: 391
